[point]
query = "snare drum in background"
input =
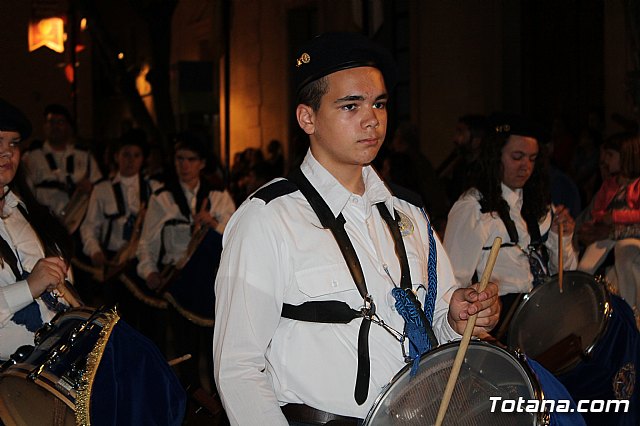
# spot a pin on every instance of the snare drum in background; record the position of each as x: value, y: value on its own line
x: 488, y: 371
x: 587, y: 337
x: 89, y: 367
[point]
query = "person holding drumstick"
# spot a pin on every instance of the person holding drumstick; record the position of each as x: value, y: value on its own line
x: 509, y: 197
x: 33, y: 245
x: 307, y: 330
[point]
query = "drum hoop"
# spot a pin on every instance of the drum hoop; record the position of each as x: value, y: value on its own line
x: 46, y: 381
x: 138, y: 294
x: 519, y: 358
x: 606, y: 319
x: 83, y: 396
x: 189, y: 315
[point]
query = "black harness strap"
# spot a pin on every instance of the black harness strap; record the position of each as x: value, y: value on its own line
x: 340, y: 312
x: 405, y: 278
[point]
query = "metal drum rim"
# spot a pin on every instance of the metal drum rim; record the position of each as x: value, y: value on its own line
x: 541, y: 419
x: 606, y: 317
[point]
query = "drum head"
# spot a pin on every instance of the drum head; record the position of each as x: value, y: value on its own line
x: 555, y: 328
x: 487, y: 371
x: 22, y: 402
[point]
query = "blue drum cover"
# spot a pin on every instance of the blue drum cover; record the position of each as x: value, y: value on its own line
x: 134, y: 384
x: 554, y: 390
x: 614, y: 361
x: 194, y: 289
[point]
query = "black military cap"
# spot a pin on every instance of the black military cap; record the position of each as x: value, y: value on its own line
x: 331, y: 52
x: 12, y: 119
x: 135, y: 137
x: 514, y: 124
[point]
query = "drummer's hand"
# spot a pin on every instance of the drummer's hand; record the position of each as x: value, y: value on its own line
x: 84, y: 186
x: 561, y: 216
x: 47, y: 273
x: 98, y: 258
x: 203, y: 218
x: 467, y: 301
x: 154, y: 280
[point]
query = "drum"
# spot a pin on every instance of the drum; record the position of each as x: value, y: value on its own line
x: 487, y: 372
x: 89, y: 367
x: 192, y: 292
x: 587, y: 337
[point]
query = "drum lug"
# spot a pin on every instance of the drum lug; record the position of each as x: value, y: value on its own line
x: 19, y: 355
x: 42, y: 332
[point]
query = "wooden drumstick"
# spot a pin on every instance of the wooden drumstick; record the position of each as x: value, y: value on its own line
x: 560, y: 257
x: 466, y: 337
x: 69, y: 295
x: 178, y: 360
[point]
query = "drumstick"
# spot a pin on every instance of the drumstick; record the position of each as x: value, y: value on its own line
x: 178, y: 360
x: 560, y: 257
x: 466, y: 337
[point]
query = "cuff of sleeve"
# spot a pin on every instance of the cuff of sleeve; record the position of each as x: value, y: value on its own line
x: 17, y: 295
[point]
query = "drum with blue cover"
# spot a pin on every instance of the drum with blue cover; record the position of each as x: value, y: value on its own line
x: 588, y: 338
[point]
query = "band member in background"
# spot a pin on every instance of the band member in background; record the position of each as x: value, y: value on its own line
x: 33, y: 245
x: 57, y: 168
x: 182, y: 209
x: 116, y: 207
x: 509, y: 197
x: 273, y: 366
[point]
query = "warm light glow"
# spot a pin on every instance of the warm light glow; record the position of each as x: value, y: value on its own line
x: 143, y: 86
x: 48, y: 33
x: 83, y: 24
x: 120, y: 55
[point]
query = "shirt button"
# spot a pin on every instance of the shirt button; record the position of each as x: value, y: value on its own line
x: 334, y: 283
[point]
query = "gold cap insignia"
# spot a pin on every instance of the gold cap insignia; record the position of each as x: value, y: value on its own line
x: 304, y: 59
x: 504, y: 128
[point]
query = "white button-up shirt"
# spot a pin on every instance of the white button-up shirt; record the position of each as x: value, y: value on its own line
x: 279, y: 253
x: 469, y: 230
x: 38, y: 171
x: 162, y: 208
x: 14, y: 292
x: 103, y: 204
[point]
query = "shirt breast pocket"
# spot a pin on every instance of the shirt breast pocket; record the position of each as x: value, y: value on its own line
x: 419, y: 273
x: 323, y: 282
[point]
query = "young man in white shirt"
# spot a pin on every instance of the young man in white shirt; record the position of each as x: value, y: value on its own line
x: 278, y: 256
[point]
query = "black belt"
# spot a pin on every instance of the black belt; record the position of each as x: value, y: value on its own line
x: 305, y: 414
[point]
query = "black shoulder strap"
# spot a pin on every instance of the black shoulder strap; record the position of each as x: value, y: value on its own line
x: 180, y: 199
x: 9, y: 256
x: 51, y: 162
x: 145, y: 189
x: 335, y: 225
x: 274, y: 190
x: 70, y: 164
x: 117, y: 193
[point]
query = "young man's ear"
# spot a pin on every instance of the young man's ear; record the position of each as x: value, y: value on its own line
x: 306, y: 118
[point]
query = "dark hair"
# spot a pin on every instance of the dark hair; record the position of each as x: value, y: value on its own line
x: 190, y: 142
x: 476, y: 124
x: 488, y: 179
x: 59, y: 110
x: 312, y: 93
x: 134, y: 137
x: 52, y: 234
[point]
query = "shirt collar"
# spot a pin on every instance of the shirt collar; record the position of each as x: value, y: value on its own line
x: 335, y: 194
x: 126, y: 181
x: 11, y: 201
x: 512, y: 197
x: 188, y: 190
x: 68, y: 148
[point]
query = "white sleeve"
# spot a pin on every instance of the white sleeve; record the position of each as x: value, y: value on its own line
x: 464, y: 238
x: 91, y: 224
x: 222, y: 207
x: 249, y: 295
x: 150, y: 238
x: 446, y: 286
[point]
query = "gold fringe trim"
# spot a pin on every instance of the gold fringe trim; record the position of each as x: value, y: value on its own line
x: 194, y: 318
x: 140, y: 295
x: 83, y: 395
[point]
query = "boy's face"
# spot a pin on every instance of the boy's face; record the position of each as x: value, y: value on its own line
x: 349, y: 127
x: 129, y: 160
x: 188, y: 165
